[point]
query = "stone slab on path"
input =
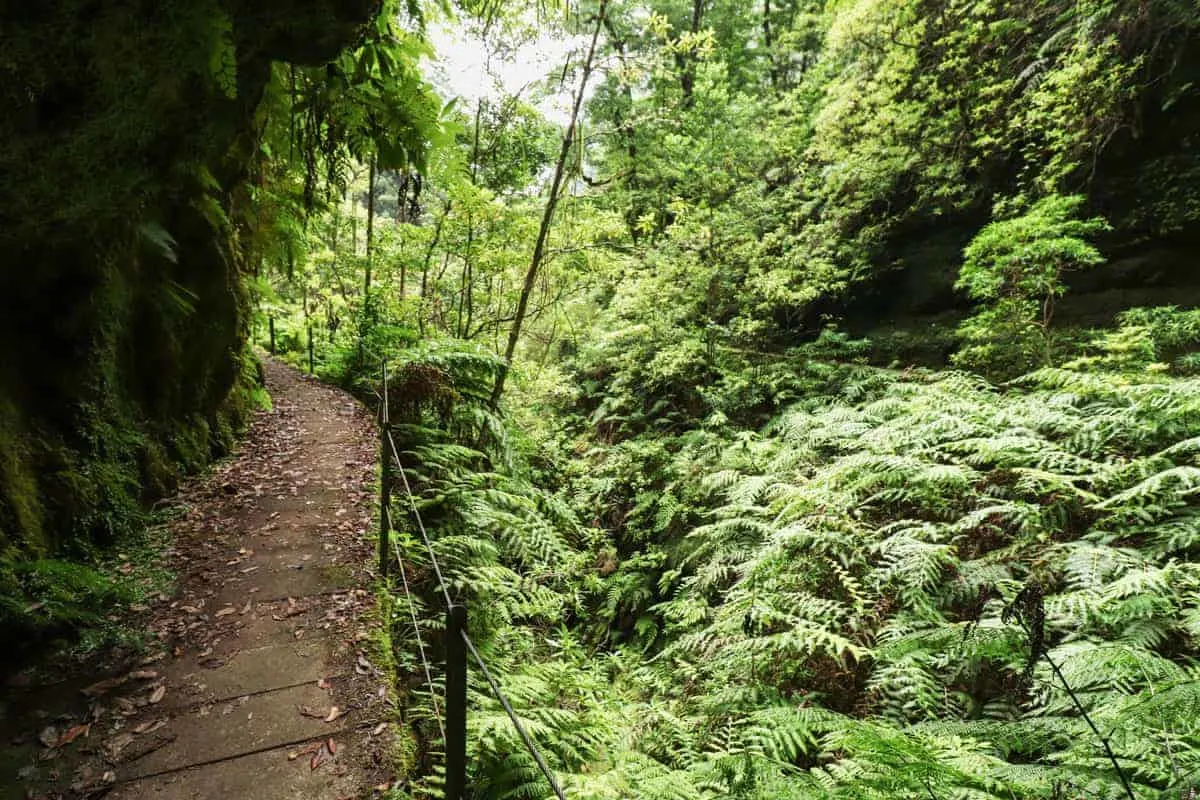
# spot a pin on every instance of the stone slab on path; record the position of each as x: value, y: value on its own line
x: 246, y: 776
x: 225, y: 730
x: 265, y: 635
x: 274, y: 623
x: 246, y: 672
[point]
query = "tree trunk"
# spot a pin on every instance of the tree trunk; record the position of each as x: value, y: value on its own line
x: 628, y: 132
x: 433, y: 243
x: 468, y: 271
x: 402, y: 218
x: 335, y: 229
x: 687, y: 61
x: 769, y: 45
x: 402, y: 197
x: 370, y: 227
x: 539, y: 248
x: 366, y: 300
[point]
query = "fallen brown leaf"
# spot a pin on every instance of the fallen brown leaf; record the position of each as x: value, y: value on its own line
x: 71, y: 734
x: 224, y: 612
x: 334, y: 714
x: 100, y: 687
x: 158, y: 694
x: 303, y: 751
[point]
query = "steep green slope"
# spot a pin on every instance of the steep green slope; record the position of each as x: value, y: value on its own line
x: 904, y: 584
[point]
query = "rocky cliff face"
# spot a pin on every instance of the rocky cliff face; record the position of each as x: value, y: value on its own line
x: 131, y: 135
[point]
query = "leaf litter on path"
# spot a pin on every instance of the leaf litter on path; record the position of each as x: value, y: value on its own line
x: 213, y: 531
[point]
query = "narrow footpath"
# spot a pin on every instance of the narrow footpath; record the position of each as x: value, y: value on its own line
x: 263, y: 686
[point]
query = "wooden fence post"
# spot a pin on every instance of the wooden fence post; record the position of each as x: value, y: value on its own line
x: 456, y: 703
x: 385, y: 479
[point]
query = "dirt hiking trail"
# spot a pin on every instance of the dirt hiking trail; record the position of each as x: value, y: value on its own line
x: 261, y: 685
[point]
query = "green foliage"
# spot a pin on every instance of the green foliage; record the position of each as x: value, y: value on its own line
x: 77, y: 606
x: 820, y: 173
x: 1159, y: 339
x: 51, y: 594
x: 815, y: 608
x: 1016, y: 267
x: 710, y: 547
x: 858, y: 555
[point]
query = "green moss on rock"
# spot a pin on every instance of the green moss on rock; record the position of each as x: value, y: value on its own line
x: 131, y: 142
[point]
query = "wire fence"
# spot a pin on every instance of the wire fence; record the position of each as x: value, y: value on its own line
x: 451, y: 723
x: 412, y: 612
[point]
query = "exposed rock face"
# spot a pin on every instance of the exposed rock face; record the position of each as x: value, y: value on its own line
x: 131, y: 135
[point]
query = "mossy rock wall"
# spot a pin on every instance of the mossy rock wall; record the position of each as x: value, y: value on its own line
x: 131, y: 135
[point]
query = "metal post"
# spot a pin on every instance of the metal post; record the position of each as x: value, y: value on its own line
x: 385, y: 480
x: 310, y: 350
x: 271, y: 327
x: 456, y: 703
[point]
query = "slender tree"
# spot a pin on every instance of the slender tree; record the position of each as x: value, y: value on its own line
x: 556, y: 183
x: 370, y: 227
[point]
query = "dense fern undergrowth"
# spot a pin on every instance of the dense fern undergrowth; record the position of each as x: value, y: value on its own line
x: 880, y: 583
